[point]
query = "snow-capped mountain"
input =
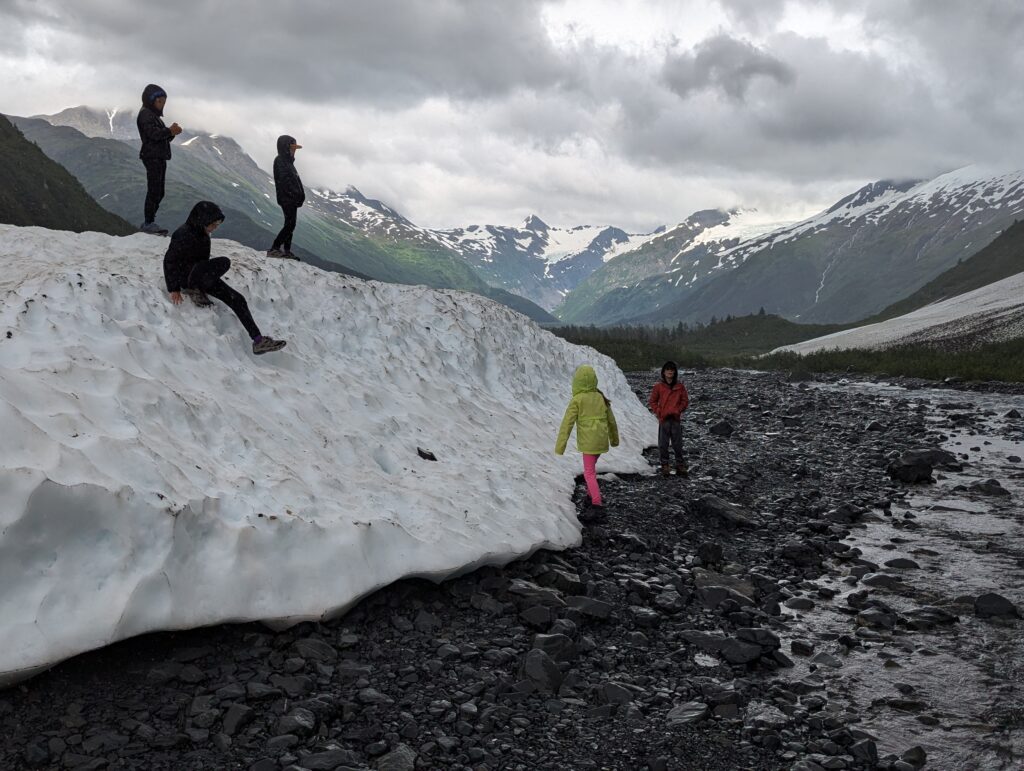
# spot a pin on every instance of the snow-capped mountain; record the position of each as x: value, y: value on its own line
x: 864, y: 253
x: 536, y: 260
x: 691, y: 251
x: 991, y: 314
x: 159, y: 476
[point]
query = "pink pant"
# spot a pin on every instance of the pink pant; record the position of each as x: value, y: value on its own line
x: 590, y: 475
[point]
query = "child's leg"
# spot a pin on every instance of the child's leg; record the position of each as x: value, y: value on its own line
x: 677, y: 441
x: 664, y: 432
x: 590, y: 476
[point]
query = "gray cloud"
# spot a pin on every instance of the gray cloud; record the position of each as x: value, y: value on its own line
x: 457, y: 111
x: 377, y: 51
x: 723, y: 63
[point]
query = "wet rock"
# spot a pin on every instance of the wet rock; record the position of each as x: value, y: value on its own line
x: 529, y: 593
x: 801, y: 647
x: 911, y: 467
x: 801, y: 553
x: 401, y: 758
x: 237, y: 717
x: 330, y: 760
x: 588, y: 606
x: 882, y: 581
x: 874, y: 425
x: 729, y: 514
x: 298, y: 721
x: 915, y: 756
x: 799, y: 603
x: 992, y: 605
x: 902, y: 563
x: 722, y: 428
x: 558, y: 646
x: 687, y: 714
x: 541, y: 670
x: 315, y: 650
x: 989, y: 487
x: 710, y: 553
x: 1012, y: 415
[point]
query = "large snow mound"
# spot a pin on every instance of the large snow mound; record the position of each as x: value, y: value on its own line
x: 156, y: 475
x: 989, y: 314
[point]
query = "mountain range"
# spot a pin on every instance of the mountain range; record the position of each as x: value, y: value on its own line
x: 867, y: 251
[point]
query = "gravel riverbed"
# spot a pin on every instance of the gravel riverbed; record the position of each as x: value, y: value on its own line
x: 794, y: 603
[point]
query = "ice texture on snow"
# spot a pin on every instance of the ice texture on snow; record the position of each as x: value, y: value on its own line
x: 156, y: 475
x: 990, y: 314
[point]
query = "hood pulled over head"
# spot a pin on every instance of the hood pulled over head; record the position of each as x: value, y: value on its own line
x: 150, y: 94
x: 584, y: 379
x: 204, y: 214
x: 284, y: 145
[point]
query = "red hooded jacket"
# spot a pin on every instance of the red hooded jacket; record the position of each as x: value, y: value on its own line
x: 669, y: 401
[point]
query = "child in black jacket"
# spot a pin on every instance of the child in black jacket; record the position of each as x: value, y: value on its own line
x: 290, y: 195
x: 155, y: 151
x: 188, y: 268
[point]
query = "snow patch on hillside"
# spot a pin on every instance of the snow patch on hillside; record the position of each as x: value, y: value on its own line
x: 159, y: 476
x: 992, y: 313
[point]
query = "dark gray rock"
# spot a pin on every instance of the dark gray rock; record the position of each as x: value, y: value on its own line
x: 588, y: 606
x: 989, y: 487
x: 992, y: 605
x: 299, y: 721
x: 237, y: 717
x: 710, y: 553
x: 401, y: 758
x: 541, y: 670
x: 687, y: 714
x: 801, y: 553
x: 329, y: 760
x: 902, y: 563
x: 315, y: 650
x: 729, y: 514
x: 558, y: 646
x: 722, y: 428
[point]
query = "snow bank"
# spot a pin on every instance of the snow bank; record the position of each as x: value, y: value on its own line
x: 990, y: 314
x: 155, y: 475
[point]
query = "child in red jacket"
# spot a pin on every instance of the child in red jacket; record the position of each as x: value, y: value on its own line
x: 668, y: 402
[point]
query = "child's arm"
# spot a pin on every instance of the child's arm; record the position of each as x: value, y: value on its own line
x: 571, y: 413
x: 655, y: 399
x: 686, y: 399
x: 613, y: 428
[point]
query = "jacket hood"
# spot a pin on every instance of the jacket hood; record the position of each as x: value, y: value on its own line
x: 150, y: 94
x: 203, y: 214
x: 585, y: 379
x: 670, y: 365
x: 284, y: 144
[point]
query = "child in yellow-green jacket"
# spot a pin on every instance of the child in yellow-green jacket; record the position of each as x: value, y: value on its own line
x: 592, y: 415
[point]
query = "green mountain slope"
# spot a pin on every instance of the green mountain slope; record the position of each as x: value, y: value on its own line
x: 38, y: 191
x: 1002, y: 258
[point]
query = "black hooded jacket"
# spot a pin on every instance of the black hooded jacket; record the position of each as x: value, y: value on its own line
x: 156, y: 137
x: 189, y: 245
x: 286, y: 178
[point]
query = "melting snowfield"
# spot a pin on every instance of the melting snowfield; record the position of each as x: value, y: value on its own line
x: 156, y: 475
x: 990, y: 314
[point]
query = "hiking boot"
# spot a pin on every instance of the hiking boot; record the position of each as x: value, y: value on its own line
x: 266, y: 345
x: 198, y: 296
x: 289, y: 255
x: 275, y: 253
x: 152, y: 227
x: 665, y: 469
x: 682, y: 470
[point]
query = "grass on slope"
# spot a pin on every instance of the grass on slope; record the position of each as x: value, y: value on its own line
x: 1002, y: 258
x: 994, y: 361
x: 37, y: 190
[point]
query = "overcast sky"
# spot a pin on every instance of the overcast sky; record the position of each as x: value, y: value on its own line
x: 582, y: 111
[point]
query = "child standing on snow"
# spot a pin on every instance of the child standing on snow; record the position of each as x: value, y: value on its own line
x: 188, y: 268
x: 592, y: 415
x: 668, y: 402
x: 155, y: 151
x: 290, y: 195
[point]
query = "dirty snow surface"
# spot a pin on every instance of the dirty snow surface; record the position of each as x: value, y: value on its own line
x: 990, y: 314
x: 154, y: 474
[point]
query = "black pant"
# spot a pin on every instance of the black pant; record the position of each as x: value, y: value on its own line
x: 156, y: 171
x: 284, y: 238
x: 670, y: 430
x: 207, y: 276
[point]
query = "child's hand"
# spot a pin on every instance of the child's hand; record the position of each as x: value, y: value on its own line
x: 176, y: 298
x: 175, y: 129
